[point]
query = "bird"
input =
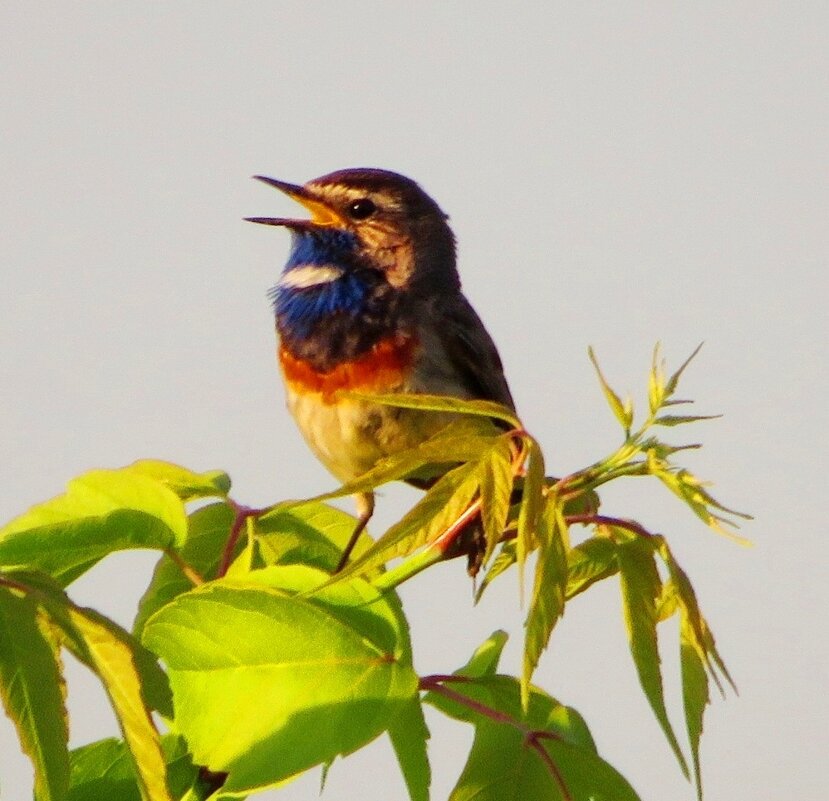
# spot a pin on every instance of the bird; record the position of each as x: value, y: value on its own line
x: 370, y: 301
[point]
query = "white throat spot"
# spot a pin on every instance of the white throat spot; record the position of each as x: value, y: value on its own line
x: 309, y: 275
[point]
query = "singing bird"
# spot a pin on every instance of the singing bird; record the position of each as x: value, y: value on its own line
x: 370, y: 301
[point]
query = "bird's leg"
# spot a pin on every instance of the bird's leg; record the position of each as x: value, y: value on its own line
x: 365, y: 509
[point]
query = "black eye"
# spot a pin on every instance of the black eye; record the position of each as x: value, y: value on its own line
x: 361, y: 209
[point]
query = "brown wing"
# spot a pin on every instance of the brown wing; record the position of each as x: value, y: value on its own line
x: 473, y: 354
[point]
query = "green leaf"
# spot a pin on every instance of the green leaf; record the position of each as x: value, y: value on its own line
x: 692, y: 491
x: 185, y: 483
x: 622, y: 411
x: 588, y: 562
x: 549, y: 588
x: 673, y: 381
x: 208, y: 530
x: 110, y: 653
x: 532, y: 504
x: 484, y: 662
x: 408, y: 734
x: 104, y: 770
x: 680, y: 419
x: 506, y: 558
x: 442, y: 505
x: 129, y: 673
x: 694, y: 693
x: 656, y: 382
x: 102, y: 511
x: 496, y: 493
x: 703, y: 636
x: 312, y: 534
x: 32, y: 689
x: 545, y: 753
x: 641, y: 587
x: 443, y: 403
x: 268, y: 683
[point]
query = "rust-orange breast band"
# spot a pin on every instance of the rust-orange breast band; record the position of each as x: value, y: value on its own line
x: 382, y: 369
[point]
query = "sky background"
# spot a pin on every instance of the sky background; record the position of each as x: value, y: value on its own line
x: 616, y: 174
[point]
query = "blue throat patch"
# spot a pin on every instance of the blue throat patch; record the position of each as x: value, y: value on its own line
x: 299, y: 309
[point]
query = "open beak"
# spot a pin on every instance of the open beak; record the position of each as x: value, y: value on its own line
x: 322, y: 215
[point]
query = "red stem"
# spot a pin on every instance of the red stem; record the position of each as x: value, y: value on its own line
x: 240, y: 516
x: 604, y: 520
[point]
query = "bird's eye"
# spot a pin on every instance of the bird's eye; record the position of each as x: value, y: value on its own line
x: 361, y: 209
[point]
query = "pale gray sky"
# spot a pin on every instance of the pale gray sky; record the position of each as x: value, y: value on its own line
x: 616, y: 174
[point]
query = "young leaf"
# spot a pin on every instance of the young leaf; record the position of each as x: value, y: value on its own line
x: 496, y: 492
x: 673, y: 381
x: 680, y: 419
x: 506, y: 558
x: 408, y: 734
x: 694, y: 693
x: 532, y: 504
x: 656, y: 383
x: 548, y: 596
x: 442, y: 403
x: 32, y: 689
x: 267, y: 683
x: 102, y: 511
x: 588, y: 562
x: 427, y: 520
x: 641, y: 587
x: 622, y: 411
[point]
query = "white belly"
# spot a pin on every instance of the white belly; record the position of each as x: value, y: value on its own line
x: 349, y: 437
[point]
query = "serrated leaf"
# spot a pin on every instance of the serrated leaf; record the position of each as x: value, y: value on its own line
x: 690, y: 489
x: 532, y: 504
x: 694, y: 693
x: 505, y: 559
x: 104, y: 770
x: 496, y: 493
x: 656, y: 382
x: 102, y: 511
x: 680, y: 419
x: 548, y: 595
x: 703, y: 637
x: 623, y: 412
x: 187, y: 484
x: 588, y: 562
x: 425, y: 522
x: 641, y: 587
x: 32, y: 690
x: 442, y: 403
x: 408, y: 733
x: 673, y: 381
x: 267, y: 683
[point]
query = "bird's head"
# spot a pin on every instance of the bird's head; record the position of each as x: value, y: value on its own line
x: 370, y: 221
